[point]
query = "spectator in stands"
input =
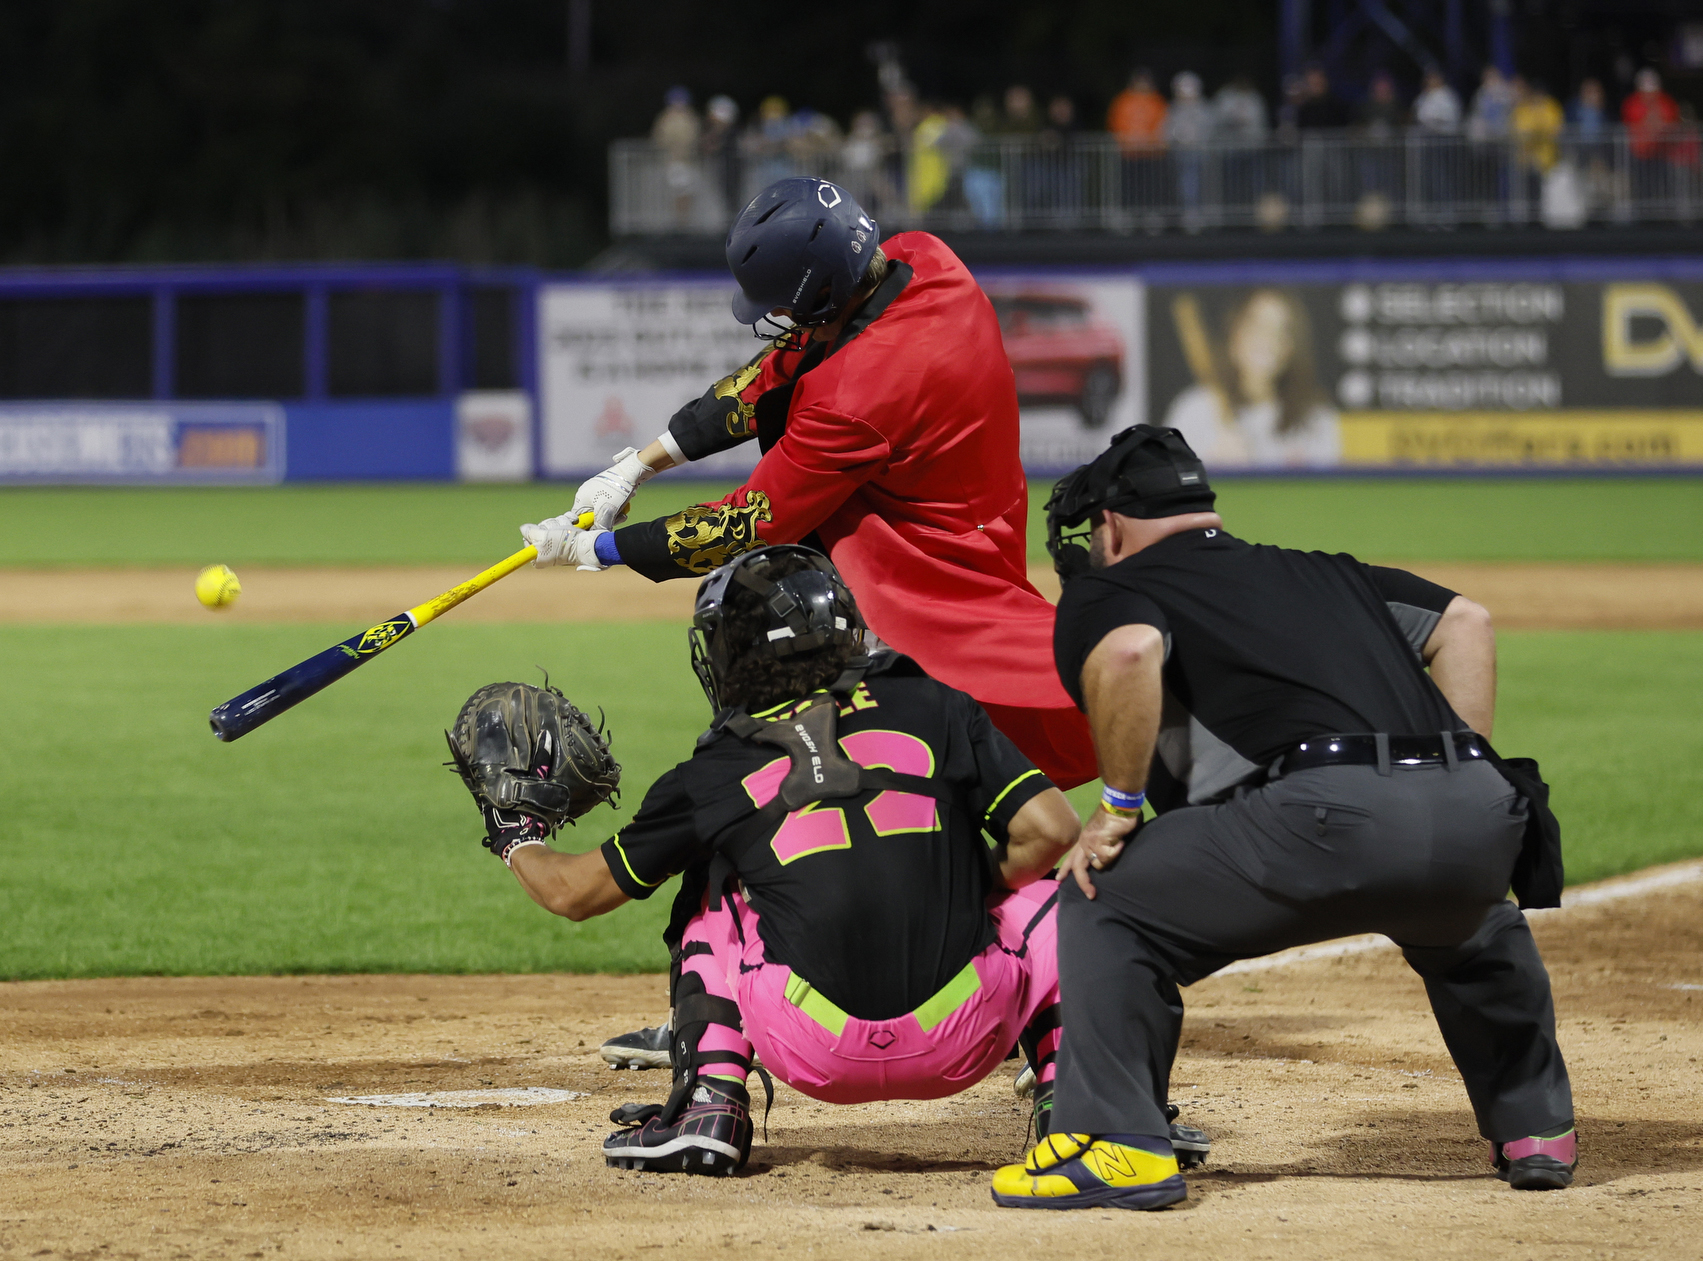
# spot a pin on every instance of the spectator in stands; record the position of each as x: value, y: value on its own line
x: 863, y: 164
x: 676, y: 132
x: 1021, y: 120
x: 812, y: 138
x: 1061, y: 164
x: 1650, y: 114
x: 1437, y: 113
x: 929, y: 170
x: 1380, y: 114
x: 719, y: 144
x: 984, y: 174
x: 940, y: 151
x: 1437, y: 110
x: 1535, y: 123
x: 1320, y: 107
x: 1137, y: 119
x: 1188, y: 130
x: 903, y: 115
x: 1492, y: 105
x: 1588, y: 114
x: 1488, y: 126
x: 765, y: 145
x: 1238, y: 113
x: 1588, y: 117
x: 1379, y: 118
x: 1239, y: 127
x: 1060, y: 124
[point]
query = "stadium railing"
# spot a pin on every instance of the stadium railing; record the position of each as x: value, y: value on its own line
x: 1091, y: 182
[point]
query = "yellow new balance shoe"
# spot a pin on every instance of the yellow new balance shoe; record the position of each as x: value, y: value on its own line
x: 1080, y: 1171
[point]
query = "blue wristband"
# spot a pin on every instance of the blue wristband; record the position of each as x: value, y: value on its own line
x: 606, y: 550
x: 1118, y: 802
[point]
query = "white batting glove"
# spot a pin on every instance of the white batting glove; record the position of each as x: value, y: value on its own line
x: 559, y: 542
x: 609, y: 495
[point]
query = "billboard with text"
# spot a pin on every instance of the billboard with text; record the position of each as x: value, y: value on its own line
x: 1431, y: 374
x: 166, y: 443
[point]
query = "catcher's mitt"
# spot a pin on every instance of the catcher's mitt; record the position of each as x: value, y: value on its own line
x: 519, y: 747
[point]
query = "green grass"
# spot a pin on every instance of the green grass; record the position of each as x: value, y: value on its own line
x: 328, y: 840
x: 1634, y: 519
x: 1612, y: 718
x: 332, y: 840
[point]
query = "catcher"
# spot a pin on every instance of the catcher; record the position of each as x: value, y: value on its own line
x: 841, y: 913
x: 887, y: 418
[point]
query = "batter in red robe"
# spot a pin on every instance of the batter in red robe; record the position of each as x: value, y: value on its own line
x: 890, y: 435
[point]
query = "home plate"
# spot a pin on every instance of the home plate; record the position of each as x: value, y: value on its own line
x: 508, y: 1097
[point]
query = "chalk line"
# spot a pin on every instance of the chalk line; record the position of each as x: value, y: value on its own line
x: 507, y: 1097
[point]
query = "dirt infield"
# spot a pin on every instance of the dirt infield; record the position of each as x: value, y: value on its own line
x: 1597, y: 596
x: 188, y: 1118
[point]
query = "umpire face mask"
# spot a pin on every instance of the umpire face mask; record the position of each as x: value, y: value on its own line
x: 804, y: 610
x: 1147, y: 472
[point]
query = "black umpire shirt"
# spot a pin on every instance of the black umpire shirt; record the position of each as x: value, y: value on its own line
x: 1264, y: 647
x: 877, y: 900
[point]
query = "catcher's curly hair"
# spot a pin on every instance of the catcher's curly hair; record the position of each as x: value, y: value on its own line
x: 755, y: 680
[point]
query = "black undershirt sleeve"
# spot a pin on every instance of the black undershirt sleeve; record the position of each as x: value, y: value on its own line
x: 1006, y: 781
x: 1090, y: 609
x: 660, y: 842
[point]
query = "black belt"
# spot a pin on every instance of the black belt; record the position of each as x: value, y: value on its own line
x: 1383, y: 751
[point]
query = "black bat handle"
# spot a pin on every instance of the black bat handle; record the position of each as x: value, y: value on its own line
x: 242, y: 714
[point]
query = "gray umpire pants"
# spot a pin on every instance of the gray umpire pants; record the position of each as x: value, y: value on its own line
x: 1422, y: 854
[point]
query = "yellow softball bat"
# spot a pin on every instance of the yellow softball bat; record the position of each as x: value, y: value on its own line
x: 584, y: 520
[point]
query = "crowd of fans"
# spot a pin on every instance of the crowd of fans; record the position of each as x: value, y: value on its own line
x: 915, y: 156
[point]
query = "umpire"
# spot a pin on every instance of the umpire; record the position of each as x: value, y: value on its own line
x: 1312, y: 732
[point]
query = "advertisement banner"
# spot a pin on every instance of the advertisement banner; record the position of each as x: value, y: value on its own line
x: 493, y: 436
x: 1076, y: 350
x: 168, y: 443
x: 1407, y: 374
x: 616, y: 361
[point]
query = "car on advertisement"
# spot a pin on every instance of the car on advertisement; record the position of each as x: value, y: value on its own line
x: 1060, y: 353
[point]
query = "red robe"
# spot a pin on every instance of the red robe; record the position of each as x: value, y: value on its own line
x: 900, y: 452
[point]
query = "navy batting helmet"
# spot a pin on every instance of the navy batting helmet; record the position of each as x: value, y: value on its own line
x: 802, y: 245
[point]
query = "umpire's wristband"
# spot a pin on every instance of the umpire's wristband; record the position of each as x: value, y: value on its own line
x: 1121, y: 805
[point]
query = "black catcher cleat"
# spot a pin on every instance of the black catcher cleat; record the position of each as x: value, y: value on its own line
x: 644, y: 1048
x: 712, y: 1134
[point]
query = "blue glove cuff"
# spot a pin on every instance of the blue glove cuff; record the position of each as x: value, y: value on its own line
x: 607, y: 553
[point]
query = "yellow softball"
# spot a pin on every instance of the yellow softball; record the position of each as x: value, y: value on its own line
x: 216, y: 586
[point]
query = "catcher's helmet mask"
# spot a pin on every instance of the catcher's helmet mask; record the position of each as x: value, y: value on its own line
x: 808, y: 609
x: 1146, y: 472
x: 802, y: 245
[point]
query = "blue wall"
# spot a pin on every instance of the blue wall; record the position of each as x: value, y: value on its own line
x: 380, y: 440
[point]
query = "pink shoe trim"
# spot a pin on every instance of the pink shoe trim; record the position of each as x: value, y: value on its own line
x: 1564, y: 1148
